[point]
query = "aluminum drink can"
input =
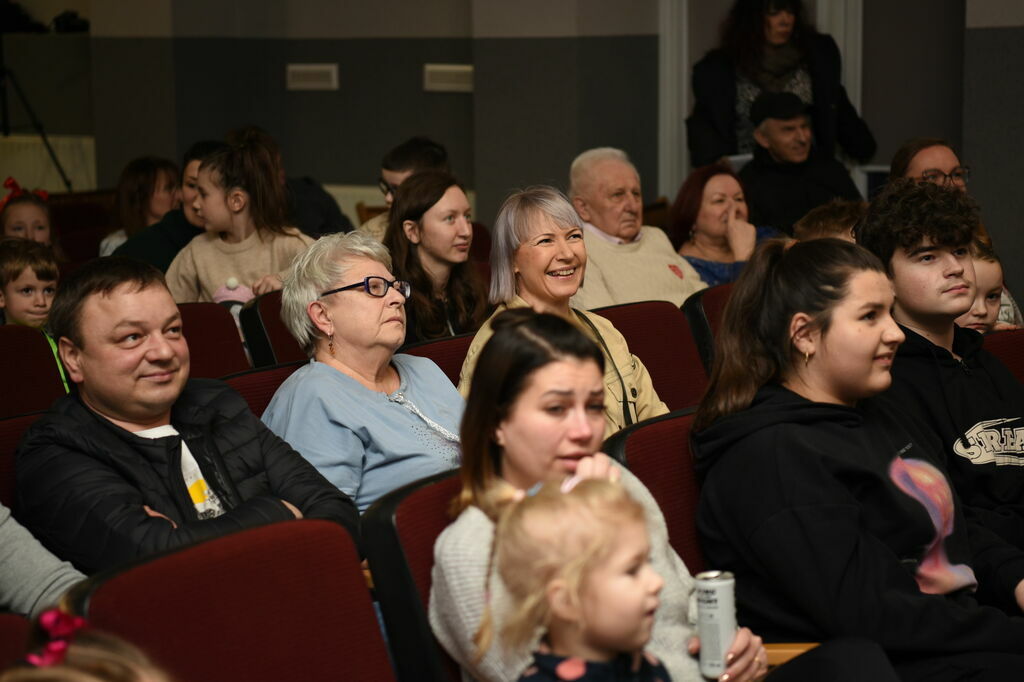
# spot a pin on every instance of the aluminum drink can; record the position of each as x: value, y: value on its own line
x: 716, y: 619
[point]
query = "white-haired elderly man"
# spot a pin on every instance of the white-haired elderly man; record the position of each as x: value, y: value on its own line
x: 627, y: 261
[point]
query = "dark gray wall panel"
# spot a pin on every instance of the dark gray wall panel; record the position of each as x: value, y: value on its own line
x: 133, y: 81
x: 53, y: 72
x: 541, y: 101
x: 994, y: 139
x: 913, y: 71
x: 337, y: 137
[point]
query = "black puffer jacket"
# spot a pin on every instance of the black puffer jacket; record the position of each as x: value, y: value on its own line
x: 83, y: 481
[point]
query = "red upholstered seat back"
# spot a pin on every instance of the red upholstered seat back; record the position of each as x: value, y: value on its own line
x: 448, y: 353
x: 399, y: 531
x: 704, y: 311
x: 1008, y: 346
x: 31, y: 378
x: 269, y: 341
x: 286, y: 601
x: 258, y: 386
x: 480, y: 249
x: 657, y: 333
x: 14, y: 632
x: 214, y: 343
x: 11, y: 431
x: 657, y: 452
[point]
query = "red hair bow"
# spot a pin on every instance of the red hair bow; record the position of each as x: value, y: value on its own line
x: 60, y: 627
x: 16, y: 190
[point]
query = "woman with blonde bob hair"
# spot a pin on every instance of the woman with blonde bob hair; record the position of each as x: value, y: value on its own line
x: 538, y: 260
x: 369, y: 420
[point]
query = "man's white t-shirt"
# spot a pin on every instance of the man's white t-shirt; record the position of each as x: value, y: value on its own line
x: 207, y: 504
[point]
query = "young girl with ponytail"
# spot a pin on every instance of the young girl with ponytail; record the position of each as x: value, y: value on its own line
x: 831, y: 507
x: 246, y: 246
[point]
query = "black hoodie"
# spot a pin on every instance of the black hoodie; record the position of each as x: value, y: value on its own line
x: 799, y: 502
x: 976, y: 406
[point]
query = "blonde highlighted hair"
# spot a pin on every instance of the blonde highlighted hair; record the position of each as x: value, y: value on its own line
x: 552, y: 535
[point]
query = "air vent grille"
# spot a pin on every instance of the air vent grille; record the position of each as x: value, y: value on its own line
x: 448, y: 77
x: 312, y: 77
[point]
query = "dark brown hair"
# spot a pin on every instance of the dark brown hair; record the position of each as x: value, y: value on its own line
x: 98, y: 276
x: 742, y: 32
x: 137, y: 184
x: 911, y: 148
x: 906, y: 212
x: 18, y: 254
x: 685, y: 208
x: 252, y: 164
x: 464, y: 290
x: 416, y: 154
x: 523, y: 342
x: 782, y: 278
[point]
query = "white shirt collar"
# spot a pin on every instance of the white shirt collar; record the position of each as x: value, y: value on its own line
x: 594, y: 229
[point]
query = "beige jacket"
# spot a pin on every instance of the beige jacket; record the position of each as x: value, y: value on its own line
x: 643, y: 402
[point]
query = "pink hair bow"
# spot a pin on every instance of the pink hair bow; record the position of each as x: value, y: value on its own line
x: 60, y: 627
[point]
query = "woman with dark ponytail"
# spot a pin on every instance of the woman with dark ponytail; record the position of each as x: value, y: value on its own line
x: 246, y: 247
x: 830, y: 506
x: 429, y: 235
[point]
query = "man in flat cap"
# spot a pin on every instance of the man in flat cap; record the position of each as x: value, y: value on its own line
x: 786, y: 179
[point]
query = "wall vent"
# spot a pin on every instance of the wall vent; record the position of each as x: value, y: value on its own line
x: 312, y: 77
x: 448, y: 77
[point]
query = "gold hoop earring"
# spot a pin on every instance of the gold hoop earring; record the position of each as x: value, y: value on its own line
x: 807, y: 357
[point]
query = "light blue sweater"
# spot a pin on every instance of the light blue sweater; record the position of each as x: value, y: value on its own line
x: 365, y: 442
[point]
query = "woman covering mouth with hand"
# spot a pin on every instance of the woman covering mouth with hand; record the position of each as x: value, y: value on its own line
x: 538, y: 260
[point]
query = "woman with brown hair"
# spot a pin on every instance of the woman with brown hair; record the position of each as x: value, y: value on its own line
x: 429, y: 235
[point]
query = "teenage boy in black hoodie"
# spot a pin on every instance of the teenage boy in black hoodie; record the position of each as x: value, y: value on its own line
x: 922, y: 233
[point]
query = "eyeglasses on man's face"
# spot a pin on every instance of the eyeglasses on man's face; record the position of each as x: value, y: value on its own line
x: 376, y: 286
x: 958, y: 176
x: 385, y: 187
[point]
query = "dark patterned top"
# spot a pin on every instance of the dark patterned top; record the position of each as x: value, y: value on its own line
x: 637, y: 667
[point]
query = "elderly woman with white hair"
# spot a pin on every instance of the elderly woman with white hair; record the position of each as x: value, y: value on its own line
x: 369, y: 420
x: 538, y: 259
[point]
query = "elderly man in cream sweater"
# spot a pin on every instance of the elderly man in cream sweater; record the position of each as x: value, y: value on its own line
x: 627, y: 261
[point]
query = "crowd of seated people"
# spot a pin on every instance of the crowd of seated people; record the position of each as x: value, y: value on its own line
x: 859, y: 452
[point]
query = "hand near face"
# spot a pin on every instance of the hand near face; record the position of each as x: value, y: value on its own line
x: 598, y: 465
x: 742, y: 236
x: 266, y: 284
x: 747, y: 658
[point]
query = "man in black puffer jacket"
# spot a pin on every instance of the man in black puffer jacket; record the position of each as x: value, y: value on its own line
x: 140, y: 459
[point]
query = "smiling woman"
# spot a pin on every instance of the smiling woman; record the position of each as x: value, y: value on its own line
x: 369, y: 420
x: 538, y: 260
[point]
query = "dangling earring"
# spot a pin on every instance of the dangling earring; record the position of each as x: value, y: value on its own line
x: 807, y: 357
x: 330, y: 345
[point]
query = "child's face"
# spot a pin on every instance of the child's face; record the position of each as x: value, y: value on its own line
x: 166, y: 196
x: 211, y: 203
x: 27, y: 221
x: 934, y: 284
x: 620, y: 596
x: 26, y: 300
x: 983, y: 313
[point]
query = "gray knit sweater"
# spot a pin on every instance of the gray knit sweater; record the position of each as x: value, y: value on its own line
x: 31, y: 579
x: 457, y: 596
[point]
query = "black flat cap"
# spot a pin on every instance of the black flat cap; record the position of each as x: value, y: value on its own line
x: 781, y: 105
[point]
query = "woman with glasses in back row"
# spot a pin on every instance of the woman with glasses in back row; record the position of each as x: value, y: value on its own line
x: 369, y: 420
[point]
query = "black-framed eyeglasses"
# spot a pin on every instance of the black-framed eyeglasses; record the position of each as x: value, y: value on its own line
x: 376, y: 286
x: 959, y: 176
x: 385, y: 187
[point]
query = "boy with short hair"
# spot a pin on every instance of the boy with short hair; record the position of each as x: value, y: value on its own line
x: 414, y: 155
x: 922, y: 233
x: 28, y: 282
x: 835, y: 219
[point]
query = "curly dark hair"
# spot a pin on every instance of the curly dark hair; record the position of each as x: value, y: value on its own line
x: 905, y: 213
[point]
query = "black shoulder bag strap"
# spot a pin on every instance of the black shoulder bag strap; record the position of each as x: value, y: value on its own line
x: 627, y: 417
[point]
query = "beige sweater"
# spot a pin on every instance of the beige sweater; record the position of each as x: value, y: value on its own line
x: 648, y: 269
x: 458, y: 583
x: 200, y: 271
x: 643, y: 400
x: 376, y: 226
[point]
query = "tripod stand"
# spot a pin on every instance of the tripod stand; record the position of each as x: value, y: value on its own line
x: 7, y: 78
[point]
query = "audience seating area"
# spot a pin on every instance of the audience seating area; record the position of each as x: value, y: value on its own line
x: 267, y: 338
x: 286, y: 601
x: 14, y: 634
x: 448, y: 354
x: 399, y: 531
x: 258, y: 386
x: 704, y: 310
x: 33, y: 370
x: 215, y: 348
x: 1008, y: 346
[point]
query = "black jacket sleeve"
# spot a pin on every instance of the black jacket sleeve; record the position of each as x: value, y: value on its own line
x: 711, y: 128
x: 297, y: 481
x: 88, y: 513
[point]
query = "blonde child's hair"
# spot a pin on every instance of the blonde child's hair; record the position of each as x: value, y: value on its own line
x: 93, y: 656
x: 547, y: 536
